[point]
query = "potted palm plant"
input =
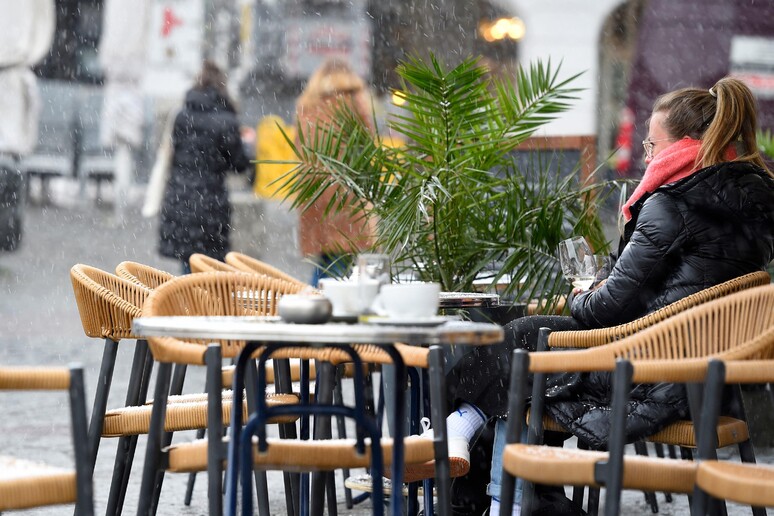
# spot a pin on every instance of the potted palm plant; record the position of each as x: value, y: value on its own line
x: 453, y: 203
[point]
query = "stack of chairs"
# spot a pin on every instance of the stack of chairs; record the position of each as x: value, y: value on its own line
x: 107, y: 305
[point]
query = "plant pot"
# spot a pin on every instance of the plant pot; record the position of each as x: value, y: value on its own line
x: 502, y: 314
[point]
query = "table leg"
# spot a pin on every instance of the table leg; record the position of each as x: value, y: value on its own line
x: 438, y: 416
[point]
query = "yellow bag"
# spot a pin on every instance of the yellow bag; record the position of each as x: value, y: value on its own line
x: 270, y: 144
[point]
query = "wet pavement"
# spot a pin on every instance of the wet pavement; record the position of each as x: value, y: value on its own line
x: 39, y: 324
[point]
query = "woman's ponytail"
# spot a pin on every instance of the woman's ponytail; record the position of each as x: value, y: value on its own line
x: 734, y: 120
x: 725, y: 115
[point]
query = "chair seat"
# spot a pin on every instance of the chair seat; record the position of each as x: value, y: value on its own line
x: 560, y: 466
x: 295, y: 372
x: 742, y: 483
x: 185, y: 412
x: 26, y: 484
x: 730, y: 431
x: 364, y: 483
x: 298, y: 455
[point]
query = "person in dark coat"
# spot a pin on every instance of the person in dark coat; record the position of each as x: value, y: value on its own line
x: 196, y: 214
x: 702, y: 214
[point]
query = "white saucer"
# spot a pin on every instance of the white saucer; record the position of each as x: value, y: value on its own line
x: 435, y: 320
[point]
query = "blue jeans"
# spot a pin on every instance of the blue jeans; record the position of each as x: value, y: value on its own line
x: 496, y: 473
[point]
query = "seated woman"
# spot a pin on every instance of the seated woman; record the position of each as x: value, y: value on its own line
x: 702, y: 214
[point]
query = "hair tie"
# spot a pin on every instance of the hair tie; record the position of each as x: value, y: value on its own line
x: 712, y: 92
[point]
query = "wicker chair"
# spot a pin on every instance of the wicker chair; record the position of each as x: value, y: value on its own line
x: 736, y: 327
x: 152, y: 278
x: 249, y: 264
x: 25, y: 484
x: 680, y: 434
x: 591, y: 338
x: 740, y: 483
x: 203, y: 263
x: 107, y: 305
x: 208, y: 293
x: 218, y: 293
x: 144, y: 275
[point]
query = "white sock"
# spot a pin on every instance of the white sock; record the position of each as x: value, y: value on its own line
x: 465, y: 421
x: 494, y: 508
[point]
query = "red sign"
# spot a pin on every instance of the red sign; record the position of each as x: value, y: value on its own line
x: 170, y: 22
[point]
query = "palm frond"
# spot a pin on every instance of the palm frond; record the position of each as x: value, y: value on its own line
x: 452, y: 199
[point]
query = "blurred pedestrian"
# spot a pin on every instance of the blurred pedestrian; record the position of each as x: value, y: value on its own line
x: 331, y: 238
x: 206, y: 144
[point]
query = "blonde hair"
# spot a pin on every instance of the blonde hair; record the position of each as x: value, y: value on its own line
x: 724, y: 115
x: 334, y: 78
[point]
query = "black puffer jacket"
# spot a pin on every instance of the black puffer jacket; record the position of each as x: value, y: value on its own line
x: 710, y: 227
x: 196, y: 214
x: 703, y: 230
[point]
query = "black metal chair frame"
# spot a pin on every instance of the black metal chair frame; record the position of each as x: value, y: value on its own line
x: 240, y: 445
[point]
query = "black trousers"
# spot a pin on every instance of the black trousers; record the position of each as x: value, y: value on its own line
x: 481, y: 376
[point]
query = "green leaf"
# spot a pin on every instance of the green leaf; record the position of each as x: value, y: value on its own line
x: 453, y: 201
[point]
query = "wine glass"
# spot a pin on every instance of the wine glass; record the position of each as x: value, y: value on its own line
x: 373, y: 271
x: 373, y: 267
x: 578, y: 263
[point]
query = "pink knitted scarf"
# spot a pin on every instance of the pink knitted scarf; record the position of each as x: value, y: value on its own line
x: 671, y: 164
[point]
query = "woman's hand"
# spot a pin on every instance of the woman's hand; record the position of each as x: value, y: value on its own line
x: 577, y: 291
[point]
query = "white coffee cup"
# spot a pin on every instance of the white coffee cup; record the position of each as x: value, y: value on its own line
x: 349, y: 298
x: 408, y: 300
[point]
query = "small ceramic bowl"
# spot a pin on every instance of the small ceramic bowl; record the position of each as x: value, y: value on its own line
x: 304, y: 309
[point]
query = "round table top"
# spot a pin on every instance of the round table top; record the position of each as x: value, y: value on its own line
x: 467, y: 299
x: 444, y: 331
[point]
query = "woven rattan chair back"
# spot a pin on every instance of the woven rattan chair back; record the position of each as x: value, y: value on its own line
x: 143, y: 275
x: 732, y: 327
x: 203, y: 263
x: 106, y: 303
x: 247, y: 263
x: 590, y: 338
x: 211, y: 293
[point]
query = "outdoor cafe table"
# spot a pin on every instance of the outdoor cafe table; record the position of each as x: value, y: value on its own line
x: 258, y: 331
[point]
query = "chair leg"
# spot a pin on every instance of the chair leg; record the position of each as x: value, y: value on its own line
x: 322, y: 430
x: 330, y: 493
x: 622, y: 381
x: 593, y: 505
x: 414, y: 402
x: 192, y: 476
x: 535, y: 430
x: 175, y: 388
x: 155, y: 439
x: 659, y: 448
x: 517, y: 393
x: 143, y: 395
x: 83, y: 470
x: 100, y: 398
x: 122, y: 463
x: 261, y: 484
x: 283, y: 384
x: 341, y: 429
x: 437, y: 377
x: 650, y: 497
x: 579, y: 491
